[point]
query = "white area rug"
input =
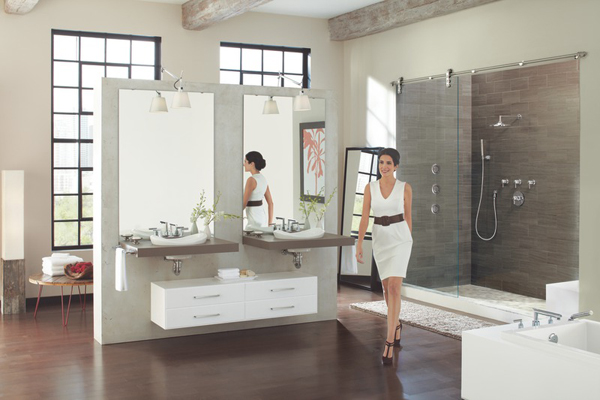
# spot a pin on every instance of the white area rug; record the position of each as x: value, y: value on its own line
x: 432, y: 319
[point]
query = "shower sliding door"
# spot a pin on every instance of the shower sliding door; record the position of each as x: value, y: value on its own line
x: 435, y: 157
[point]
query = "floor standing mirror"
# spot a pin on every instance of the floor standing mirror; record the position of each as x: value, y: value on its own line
x: 361, y: 167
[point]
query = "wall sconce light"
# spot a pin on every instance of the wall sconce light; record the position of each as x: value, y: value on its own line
x: 180, y: 100
x: 301, y: 101
x: 270, y: 106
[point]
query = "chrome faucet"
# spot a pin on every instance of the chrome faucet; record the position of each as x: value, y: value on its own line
x: 581, y: 314
x: 166, y: 227
x: 282, y: 223
x: 537, y: 311
x: 291, y: 222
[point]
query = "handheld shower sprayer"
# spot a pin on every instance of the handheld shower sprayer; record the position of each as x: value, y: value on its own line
x: 483, y: 158
x: 482, y: 149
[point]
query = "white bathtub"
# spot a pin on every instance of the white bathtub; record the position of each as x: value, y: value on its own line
x: 508, y: 363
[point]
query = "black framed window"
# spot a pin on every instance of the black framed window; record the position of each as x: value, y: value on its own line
x: 79, y: 60
x: 260, y: 65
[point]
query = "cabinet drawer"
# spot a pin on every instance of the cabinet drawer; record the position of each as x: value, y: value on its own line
x: 277, y: 289
x: 205, y: 315
x: 204, y: 295
x: 275, y: 308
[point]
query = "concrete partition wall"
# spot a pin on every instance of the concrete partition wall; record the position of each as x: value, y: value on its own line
x: 125, y: 316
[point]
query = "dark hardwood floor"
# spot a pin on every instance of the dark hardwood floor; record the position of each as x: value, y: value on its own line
x: 324, y: 360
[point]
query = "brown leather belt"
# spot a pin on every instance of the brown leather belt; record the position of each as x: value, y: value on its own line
x: 255, y: 203
x: 387, y: 220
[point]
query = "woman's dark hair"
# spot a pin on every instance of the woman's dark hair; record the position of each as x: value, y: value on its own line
x: 256, y: 158
x: 389, y: 152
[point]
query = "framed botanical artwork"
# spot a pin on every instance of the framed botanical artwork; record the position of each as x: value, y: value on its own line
x: 312, y: 161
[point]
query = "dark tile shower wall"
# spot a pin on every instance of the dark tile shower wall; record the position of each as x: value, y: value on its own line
x: 537, y: 243
x: 428, y: 128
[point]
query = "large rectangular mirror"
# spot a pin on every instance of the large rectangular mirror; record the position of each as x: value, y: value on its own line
x: 166, y: 159
x: 278, y: 138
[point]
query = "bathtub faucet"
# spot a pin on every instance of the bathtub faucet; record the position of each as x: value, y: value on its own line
x: 537, y: 311
x: 581, y: 315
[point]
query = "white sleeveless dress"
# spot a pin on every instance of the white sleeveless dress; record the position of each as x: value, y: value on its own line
x: 392, y: 244
x: 257, y: 215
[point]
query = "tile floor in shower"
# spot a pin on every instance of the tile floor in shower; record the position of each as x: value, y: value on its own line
x: 496, y: 298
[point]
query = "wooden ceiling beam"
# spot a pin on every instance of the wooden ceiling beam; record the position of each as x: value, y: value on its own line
x: 19, y: 6
x: 390, y: 14
x: 200, y: 14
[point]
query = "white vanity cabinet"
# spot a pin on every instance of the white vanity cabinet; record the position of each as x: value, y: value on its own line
x: 208, y: 301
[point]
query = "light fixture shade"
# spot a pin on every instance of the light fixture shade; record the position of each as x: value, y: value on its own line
x: 181, y: 100
x: 159, y: 104
x: 270, y: 107
x: 301, y: 102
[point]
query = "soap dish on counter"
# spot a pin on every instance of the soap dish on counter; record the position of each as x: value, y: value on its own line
x: 240, y: 279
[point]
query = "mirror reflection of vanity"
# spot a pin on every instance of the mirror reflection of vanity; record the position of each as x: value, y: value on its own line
x: 277, y: 138
x: 361, y: 167
x: 165, y: 159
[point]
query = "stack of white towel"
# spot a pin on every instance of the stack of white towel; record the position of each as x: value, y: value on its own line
x: 229, y: 273
x: 55, y: 264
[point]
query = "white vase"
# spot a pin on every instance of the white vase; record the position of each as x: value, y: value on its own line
x: 306, y: 223
x: 194, y: 228
x: 207, y: 231
x: 321, y: 223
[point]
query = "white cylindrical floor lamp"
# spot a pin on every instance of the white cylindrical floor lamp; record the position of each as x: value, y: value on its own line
x: 12, y: 280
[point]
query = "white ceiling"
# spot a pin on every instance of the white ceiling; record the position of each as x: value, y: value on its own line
x: 303, y: 8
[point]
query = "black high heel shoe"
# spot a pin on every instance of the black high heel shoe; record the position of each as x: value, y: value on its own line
x: 388, y: 350
x: 398, y: 331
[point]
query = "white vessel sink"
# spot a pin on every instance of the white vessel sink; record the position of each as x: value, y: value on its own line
x: 143, y: 233
x: 190, y: 240
x: 314, y: 233
x: 264, y: 229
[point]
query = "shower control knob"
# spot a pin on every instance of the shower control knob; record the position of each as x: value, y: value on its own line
x: 517, y: 183
x: 531, y: 183
x: 518, y: 199
x: 505, y: 182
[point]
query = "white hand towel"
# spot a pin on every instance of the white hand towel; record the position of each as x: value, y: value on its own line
x: 62, y: 261
x: 349, y: 265
x: 229, y: 276
x: 52, y: 272
x: 224, y: 270
x: 120, y: 270
x: 58, y: 255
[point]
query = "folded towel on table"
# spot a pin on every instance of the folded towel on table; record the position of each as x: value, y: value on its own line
x: 62, y: 261
x: 53, y: 272
x: 57, y: 255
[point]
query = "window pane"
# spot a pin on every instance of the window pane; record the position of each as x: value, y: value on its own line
x: 252, y: 79
x: 66, y: 100
x: 87, y: 181
x: 117, y: 72
x: 87, y: 232
x: 92, y: 49
x: 230, y: 77
x: 142, y: 72
x: 118, y: 51
x: 66, y: 207
x: 273, y: 61
x: 251, y: 60
x: 288, y: 83
x: 292, y: 63
x: 65, y: 234
x: 91, y: 74
x: 87, y: 210
x: 365, y: 162
x: 361, y: 182
x: 87, y: 100
x: 66, y: 74
x: 355, y: 223
x: 87, y: 155
x: 358, y: 204
x: 66, y: 47
x: 87, y: 127
x: 66, y: 155
x: 65, y: 181
x: 270, y: 80
x: 142, y: 52
x: 65, y: 126
x: 230, y: 58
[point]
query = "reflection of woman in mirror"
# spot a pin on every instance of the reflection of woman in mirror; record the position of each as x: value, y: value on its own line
x: 256, y: 189
x: 391, y: 202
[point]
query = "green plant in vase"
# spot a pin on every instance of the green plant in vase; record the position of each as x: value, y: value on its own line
x: 312, y: 206
x: 208, y: 215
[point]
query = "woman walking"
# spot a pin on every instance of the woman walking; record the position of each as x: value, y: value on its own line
x: 256, y: 189
x: 391, y: 202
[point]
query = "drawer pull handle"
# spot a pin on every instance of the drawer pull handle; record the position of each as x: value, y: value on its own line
x: 206, y: 297
x: 281, y: 308
x: 282, y: 290
x: 206, y: 316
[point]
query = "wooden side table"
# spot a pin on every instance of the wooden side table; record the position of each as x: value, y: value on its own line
x: 42, y: 280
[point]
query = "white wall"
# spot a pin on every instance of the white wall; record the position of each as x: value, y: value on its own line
x: 496, y: 33
x: 25, y: 64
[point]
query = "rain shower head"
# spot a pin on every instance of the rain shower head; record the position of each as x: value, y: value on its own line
x: 502, y: 124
